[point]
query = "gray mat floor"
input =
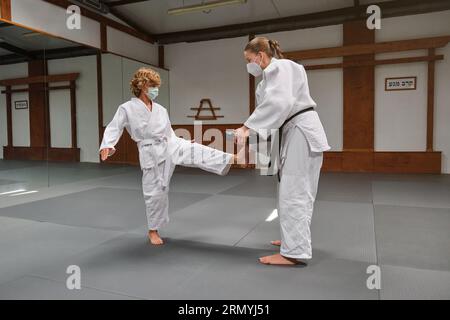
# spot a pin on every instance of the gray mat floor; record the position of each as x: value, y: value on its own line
x: 93, y: 217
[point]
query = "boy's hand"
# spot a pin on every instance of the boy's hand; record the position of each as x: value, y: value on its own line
x: 104, y: 153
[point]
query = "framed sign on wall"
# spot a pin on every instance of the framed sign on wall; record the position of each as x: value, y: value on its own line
x: 21, y: 104
x: 402, y: 83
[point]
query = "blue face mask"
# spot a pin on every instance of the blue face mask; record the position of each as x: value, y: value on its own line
x: 153, y: 92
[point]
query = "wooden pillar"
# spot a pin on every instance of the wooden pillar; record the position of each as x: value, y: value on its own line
x: 359, y: 101
x: 39, y: 113
x: 161, y: 57
x: 9, y: 115
x: 252, y: 86
x: 103, y: 38
x: 73, y: 113
x: 5, y: 12
x: 430, y: 100
x: 100, y: 96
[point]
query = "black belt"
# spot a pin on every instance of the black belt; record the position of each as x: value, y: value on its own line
x: 280, y: 133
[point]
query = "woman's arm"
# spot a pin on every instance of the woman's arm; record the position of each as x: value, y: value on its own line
x: 112, y: 133
x: 277, y: 102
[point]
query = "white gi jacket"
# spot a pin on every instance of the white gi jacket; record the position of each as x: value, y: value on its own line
x: 151, y: 130
x: 282, y: 92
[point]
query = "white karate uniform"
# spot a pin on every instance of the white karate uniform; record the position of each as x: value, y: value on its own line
x: 160, y: 150
x: 283, y: 92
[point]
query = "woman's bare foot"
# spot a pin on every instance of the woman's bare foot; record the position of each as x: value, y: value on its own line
x: 154, y: 238
x: 276, y: 243
x: 278, y: 259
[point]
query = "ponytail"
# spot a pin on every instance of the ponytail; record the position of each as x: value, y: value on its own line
x: 275, y: 48
x: 270, y: 47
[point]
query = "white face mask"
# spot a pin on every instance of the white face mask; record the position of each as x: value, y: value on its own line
x: 255, y: 69
x: 152, y: 92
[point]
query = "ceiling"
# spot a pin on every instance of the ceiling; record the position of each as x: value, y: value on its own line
x: 29, y: 41
x: 18, y: 44
x: 151, y: 15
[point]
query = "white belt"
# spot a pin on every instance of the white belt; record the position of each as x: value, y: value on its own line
x: 164, y: 176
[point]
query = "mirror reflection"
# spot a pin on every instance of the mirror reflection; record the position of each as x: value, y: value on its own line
x: 57, y: 97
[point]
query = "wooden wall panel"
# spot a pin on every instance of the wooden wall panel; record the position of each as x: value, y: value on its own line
x: 383, y: 162
x: 5, y: 6
x: 408, y: 162
x: 38, y: 98
x: 359, y: 93
x: 357, y: 161
x: 42, y: 153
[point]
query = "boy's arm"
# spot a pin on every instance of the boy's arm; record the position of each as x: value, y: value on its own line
x: 112, y: 133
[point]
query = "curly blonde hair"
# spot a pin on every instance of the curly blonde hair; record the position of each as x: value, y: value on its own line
x: 142, y: 77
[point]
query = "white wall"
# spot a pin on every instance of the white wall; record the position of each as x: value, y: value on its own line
x: 210, y: 69
x: 87, y: 107
x: 116, y: 74
x: 392, y: 132
x: 126, y: 45
x: 20, y: 118
x: 401, y: 116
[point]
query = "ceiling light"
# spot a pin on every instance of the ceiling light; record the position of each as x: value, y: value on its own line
x: 204, y: 6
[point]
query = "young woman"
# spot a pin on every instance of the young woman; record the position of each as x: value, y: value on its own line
x: 284, y: 103
x: 160, y: 150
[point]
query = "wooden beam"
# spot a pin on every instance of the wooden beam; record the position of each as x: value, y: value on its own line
x: 60, y: 53
x: 32, y: 89
x: 40, y: 79
x: 161, y: 57
x: 41, y: 153
x: 73, y: 113
x: 103, y: 38
x: 9, y: 116
x: 102, y: 19
x: 251, y: 87
x: 373, y: 48
x: 374, y: 62
x: 359, y: 96
x: 123, y: 2
x: 16, y: 50
x: 430, y: 100
x: 38, y: 105
x: 100, y: 96
x: 383, y: 162
x: 5, y: 6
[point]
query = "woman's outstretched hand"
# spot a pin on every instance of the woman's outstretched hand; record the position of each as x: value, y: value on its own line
x: 104, y: 153
x: 241, y: 135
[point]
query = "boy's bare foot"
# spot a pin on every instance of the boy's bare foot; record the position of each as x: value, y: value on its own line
x: 154, y: 238
x: 278, y: 259
x: 276, y: 243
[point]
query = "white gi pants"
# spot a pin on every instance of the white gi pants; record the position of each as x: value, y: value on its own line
x: 156, y: 196
x: 299, y: 178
